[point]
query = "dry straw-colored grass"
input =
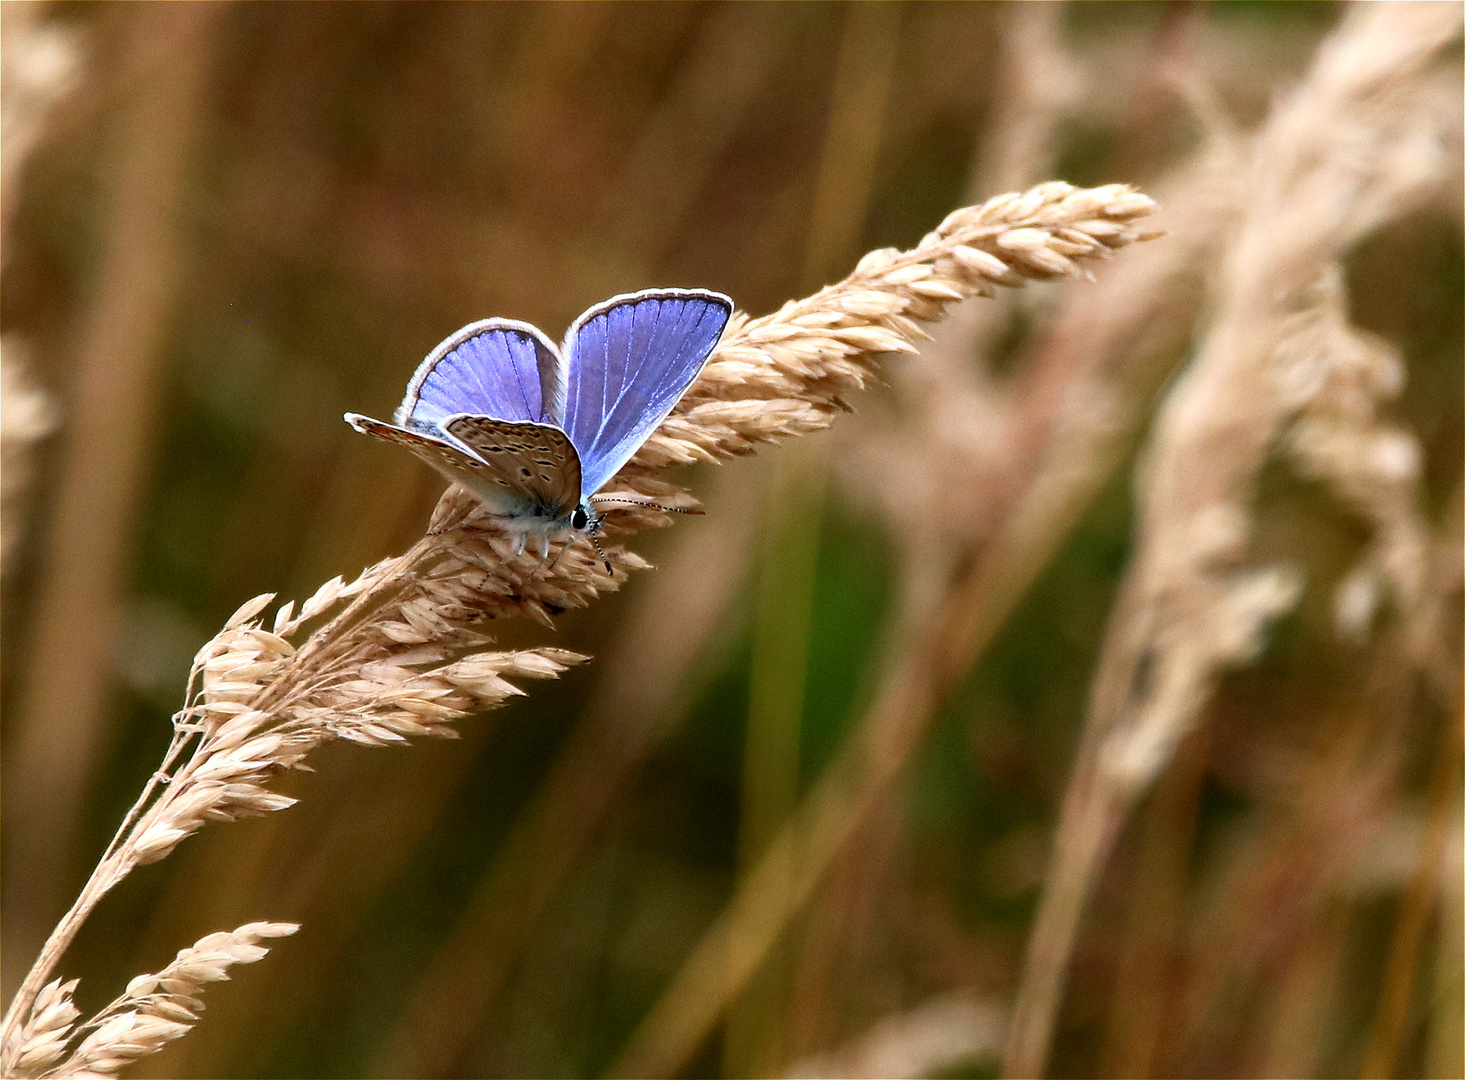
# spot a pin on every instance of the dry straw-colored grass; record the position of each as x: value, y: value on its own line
x: 154, y: 1010
x: 401, y: 651
x: 980, y: 475
x: 38, y: 65
x: 1348, y: 151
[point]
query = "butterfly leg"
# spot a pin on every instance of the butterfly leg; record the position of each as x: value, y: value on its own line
x: 523, y: 539
x: 563, y: 549
x: 543, y: 546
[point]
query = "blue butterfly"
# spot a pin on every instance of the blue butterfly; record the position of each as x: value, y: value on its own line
x: 534, y: 431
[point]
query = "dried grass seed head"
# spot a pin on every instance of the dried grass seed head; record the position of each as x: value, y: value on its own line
x: 157, y: 1008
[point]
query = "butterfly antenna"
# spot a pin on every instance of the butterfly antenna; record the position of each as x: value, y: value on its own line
x: 601, y: 552
x: 645, y: 502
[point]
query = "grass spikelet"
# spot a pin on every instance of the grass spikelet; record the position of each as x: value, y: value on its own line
x: 1086, y: 699
x: 154, y: 1010
x: 44, y: 1036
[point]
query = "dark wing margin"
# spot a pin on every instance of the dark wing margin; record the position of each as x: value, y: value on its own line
x: 536, y: 459
x: 495, y: 367
x: 629, y: 361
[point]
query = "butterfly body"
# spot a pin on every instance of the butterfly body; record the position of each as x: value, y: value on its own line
x: 534, y: 430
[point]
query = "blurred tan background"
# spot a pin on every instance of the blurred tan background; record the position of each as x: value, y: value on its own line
x: 225, y: 224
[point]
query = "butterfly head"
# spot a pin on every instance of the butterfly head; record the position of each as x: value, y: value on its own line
x: 553, y: 524
x: 585, y: 521
x: 588, y: 522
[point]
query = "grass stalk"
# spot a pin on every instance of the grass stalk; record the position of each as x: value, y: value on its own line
x: 784, y: 599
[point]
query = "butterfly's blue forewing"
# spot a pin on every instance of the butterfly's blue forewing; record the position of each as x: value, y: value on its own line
x: 629, y: 360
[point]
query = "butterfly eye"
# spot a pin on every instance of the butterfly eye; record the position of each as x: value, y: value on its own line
x: 579, y: 519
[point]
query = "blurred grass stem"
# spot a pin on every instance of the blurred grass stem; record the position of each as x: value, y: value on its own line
x: 1155, y: 912
x: 1339, y: 157
x: 109, y: 441
x: 854, y: 784
x: 784, y: 599
x: 1424, y: 894
x: 1421, y: 900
